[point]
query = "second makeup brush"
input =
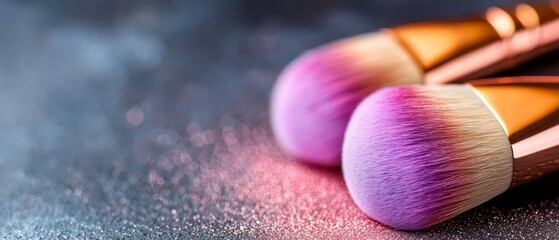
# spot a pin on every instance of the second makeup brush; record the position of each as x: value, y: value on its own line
x: 315, y: 96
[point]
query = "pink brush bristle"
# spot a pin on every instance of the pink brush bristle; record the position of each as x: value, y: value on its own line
x: 315, y: 95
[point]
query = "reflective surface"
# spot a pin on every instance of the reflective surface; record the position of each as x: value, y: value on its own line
x: 149, y: 120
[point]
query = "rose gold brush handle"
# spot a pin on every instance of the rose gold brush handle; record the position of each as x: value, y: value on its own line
x: 536, y: 156
x: 531, y: 80
x: 503, y: 37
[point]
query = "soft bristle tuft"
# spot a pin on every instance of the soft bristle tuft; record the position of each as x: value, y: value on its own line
x: 317, y: 93
x: 416, y: 156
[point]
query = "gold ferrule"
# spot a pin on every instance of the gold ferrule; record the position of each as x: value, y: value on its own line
x: 466, y: 49
x: 434, y: 43
x: 528, y: 110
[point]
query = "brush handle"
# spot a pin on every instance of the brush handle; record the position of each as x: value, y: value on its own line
x: 531, y: 80
x: 536, y: 156
x: 503, y: 37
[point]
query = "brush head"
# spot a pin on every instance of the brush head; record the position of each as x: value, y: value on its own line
x: 316, y: 94
x: 416, y: 156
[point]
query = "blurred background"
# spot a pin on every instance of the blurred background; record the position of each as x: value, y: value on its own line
x: 148, y: 119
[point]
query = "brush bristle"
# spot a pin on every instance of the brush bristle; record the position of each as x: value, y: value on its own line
x: 316, y: 94
x: 416, y: 156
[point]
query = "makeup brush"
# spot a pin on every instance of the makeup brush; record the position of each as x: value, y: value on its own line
x: 418, y: 155
x: 315, y: 95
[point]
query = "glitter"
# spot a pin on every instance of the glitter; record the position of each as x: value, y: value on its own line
x: 193, y: 127
x: 135, y: 116
x: 166, y: 138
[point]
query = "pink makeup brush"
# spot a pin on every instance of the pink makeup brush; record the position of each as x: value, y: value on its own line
x: 418, y: 155
x: 316, y: 94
